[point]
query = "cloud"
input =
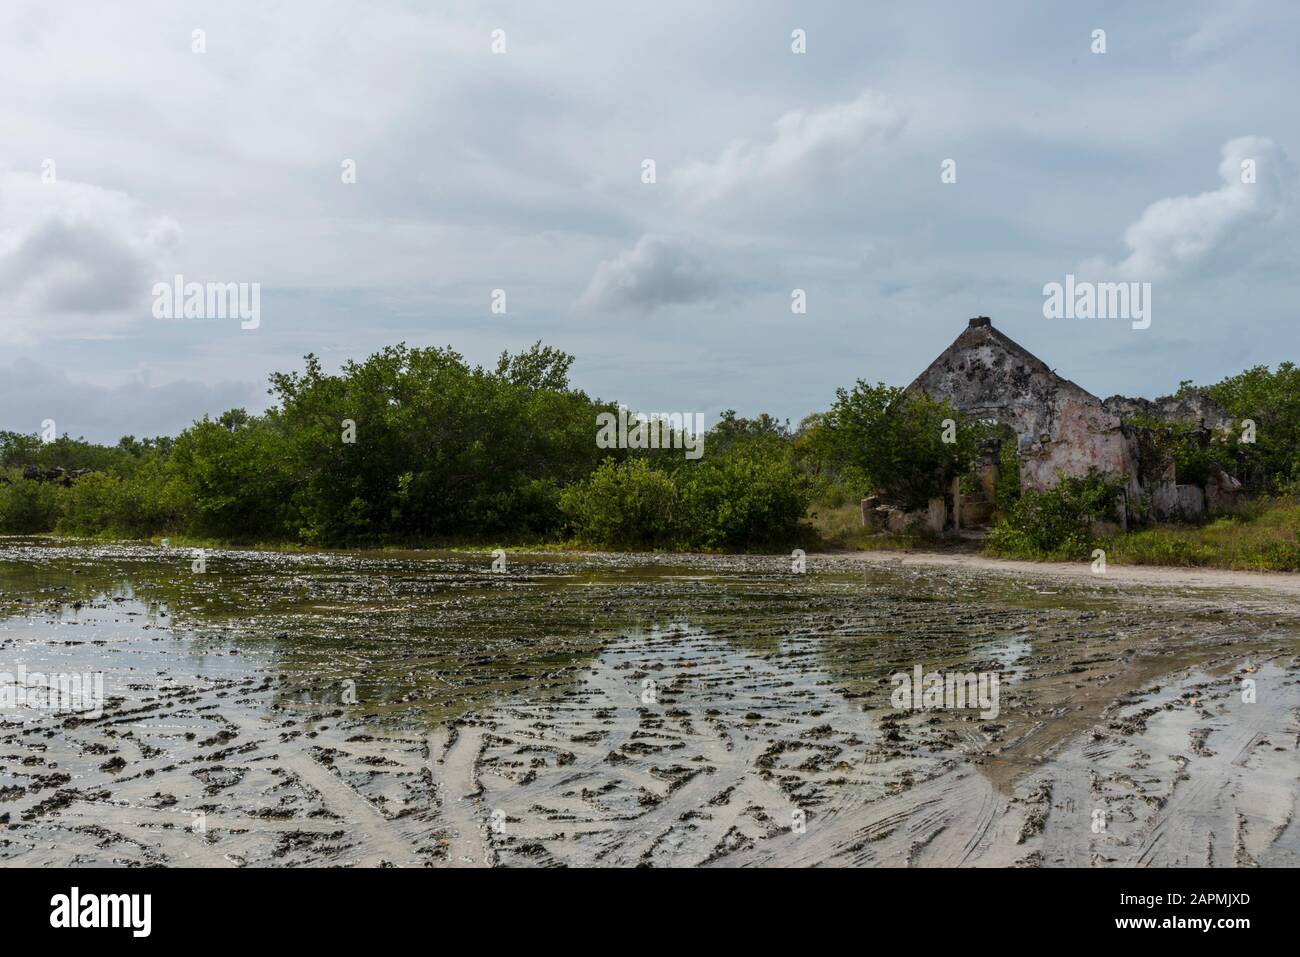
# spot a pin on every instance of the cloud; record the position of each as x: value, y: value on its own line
x: 30, y: 393
x: 657, y: 271
x: 1219, y: 227
x: 75, y: 259
x: 806, y: 144
x: 531, y: 176
x: 1222, y: 29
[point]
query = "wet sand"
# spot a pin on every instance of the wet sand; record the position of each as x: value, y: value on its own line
x: 602, y: 710
x: 1152, y: 575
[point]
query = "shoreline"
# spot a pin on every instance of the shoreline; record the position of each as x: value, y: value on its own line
x: 1156, y: 575
x: 1287, y: 583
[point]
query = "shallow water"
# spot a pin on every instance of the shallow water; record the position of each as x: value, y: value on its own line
x: 605, y: 709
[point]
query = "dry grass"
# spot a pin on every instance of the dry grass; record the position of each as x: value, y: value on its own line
x: 840, y: 526
x: 1263, y: 535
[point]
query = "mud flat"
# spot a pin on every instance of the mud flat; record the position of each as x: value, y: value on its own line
x: 422, y: 710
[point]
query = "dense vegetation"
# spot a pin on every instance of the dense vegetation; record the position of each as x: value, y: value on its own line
x: 1057, y: 523
x: 1271, y: 463
x: 416, y: 446
x: 1262, y: 450
x: 897, y: 442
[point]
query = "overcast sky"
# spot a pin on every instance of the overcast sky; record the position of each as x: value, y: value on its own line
x: 523, y: 171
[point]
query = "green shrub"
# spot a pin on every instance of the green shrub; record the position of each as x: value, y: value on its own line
x: 28, y: 507
x: 96, y: 503
x: 104, y: 504
x: 1006, y: 491
x: 628, y: 504
x: 233, y: 475
x: 748, y: 497
x: 1261, y: 534
x: 1056, y: 523
x: 1270, y: 399
x: 895, y: 440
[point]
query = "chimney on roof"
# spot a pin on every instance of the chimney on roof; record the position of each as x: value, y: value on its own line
x: 978, y: 321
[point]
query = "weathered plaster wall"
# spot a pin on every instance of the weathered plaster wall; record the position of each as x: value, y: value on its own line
x: 1084, y: 437
x: 1062, y: 428
x: 1195, y: 409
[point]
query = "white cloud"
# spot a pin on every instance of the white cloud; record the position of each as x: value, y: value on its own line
x: 75, y: 259
x: 1219, y: 227
x: 531, y: 176
x: 657, y: 271
x: 806, y: 144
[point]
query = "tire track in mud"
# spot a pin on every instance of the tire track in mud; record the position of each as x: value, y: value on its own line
x: 379, y: 840
x: 957, y: 818
x: 664, y: 822
x: 1174, y: 783
x: 1191, y: 827
x: 705, y: 795
x: 921, y: 825
x: 580, y: 731
x: 179, y: 845
x: 720, y: 713
x: 761, y: 710
x: 462, y: 796
x: 118, y: 810
x: 711, y: 771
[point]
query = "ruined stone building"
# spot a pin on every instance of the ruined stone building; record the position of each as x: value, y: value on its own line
x: 1061, y: 429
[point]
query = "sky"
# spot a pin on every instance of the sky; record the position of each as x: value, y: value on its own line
x: 504, y: 146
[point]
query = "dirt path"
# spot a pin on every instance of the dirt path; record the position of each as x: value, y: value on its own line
x: 1144, y: 575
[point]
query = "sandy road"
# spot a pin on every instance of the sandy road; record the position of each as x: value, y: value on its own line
x: 1145, y: 575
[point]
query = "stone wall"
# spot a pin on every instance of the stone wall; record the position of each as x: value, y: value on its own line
x: 1061, y: 428
x: 1195, y: 409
